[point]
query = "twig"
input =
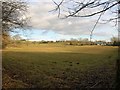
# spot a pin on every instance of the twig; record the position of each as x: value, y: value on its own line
x: 96, y: 84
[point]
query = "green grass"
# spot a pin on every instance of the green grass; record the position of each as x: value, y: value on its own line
x: 50, y: 66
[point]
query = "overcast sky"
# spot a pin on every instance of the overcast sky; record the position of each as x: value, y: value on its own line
x: 47, y: 26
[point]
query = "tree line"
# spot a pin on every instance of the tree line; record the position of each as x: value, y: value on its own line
x: 17, y: 40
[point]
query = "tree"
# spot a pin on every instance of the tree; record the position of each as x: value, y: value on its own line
x: 16, y: 40
x: 13, y: 16
x: 17, y: 37
x: 76, y: 8
x: 115, y: 41
x: 5, y: 40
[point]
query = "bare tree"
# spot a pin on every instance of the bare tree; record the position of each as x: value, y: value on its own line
x: 114, y: 39
x: 16, y: 37
x: 87, y: 8
x: 13, y: 16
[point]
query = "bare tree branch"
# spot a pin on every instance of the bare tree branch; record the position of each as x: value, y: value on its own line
x: 89, y: 15
x: 91, y: 33
x: 79, y: 6
x: 58, y: 7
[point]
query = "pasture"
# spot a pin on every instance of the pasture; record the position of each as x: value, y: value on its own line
x: 59, y: 66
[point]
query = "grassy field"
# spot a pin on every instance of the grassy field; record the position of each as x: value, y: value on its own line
x: 59, y: 66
